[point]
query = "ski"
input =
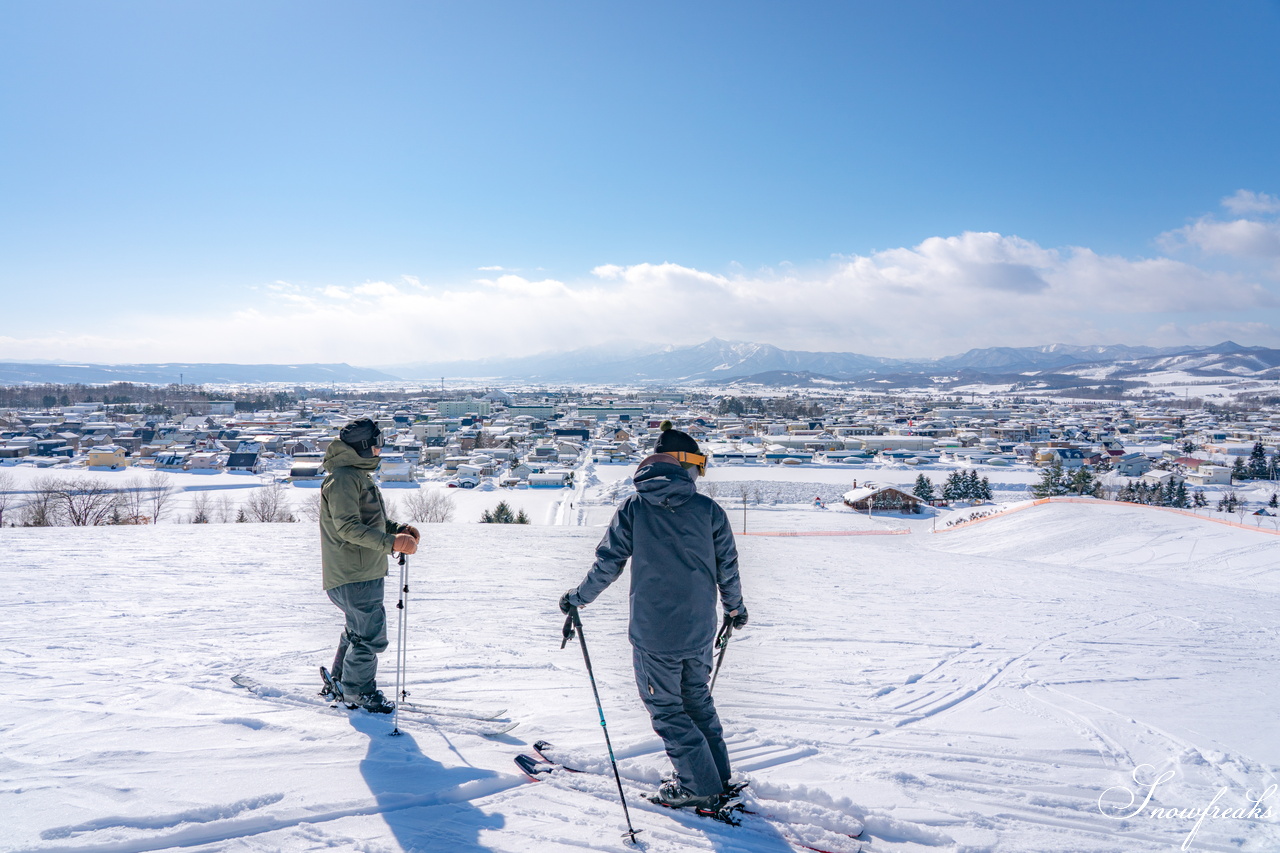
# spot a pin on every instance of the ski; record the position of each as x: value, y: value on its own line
x: 465, y: 725
x: 332, y: 692
x: 732, y: 811
x: 440, y: 711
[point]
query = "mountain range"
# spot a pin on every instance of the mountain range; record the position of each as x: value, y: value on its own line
x: 718, y: 362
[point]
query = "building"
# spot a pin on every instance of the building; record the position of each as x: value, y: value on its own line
x: 108, y: 456
x: 459, y: 408
x: 1210, y: 475
x: 538, y: 413
x: 1069, y: 458
x: 611, y: 413
x: 246, y: 462
x: 886, y: 498
x: 551, y: 480
x: 397, y: 469
x: 1131, y: 464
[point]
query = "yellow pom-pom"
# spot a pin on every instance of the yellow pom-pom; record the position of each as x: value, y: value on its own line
x: 666, y: 425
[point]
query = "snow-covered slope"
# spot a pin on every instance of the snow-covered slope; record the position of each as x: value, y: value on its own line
x: 978, y: 689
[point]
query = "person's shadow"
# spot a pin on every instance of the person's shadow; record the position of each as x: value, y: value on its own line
x: 426, y: 805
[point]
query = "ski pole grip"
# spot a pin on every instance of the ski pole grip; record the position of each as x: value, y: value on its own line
x: 726, y: 631
x: 567, y: 631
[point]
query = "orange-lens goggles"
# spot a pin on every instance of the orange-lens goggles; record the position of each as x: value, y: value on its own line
x: 697, y: 460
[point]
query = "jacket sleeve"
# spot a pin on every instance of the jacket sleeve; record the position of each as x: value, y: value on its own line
x: 611, y: 556
x: 344, y: 509
x: 726, y: 560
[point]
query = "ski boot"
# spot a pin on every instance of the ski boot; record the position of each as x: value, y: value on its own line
x: 330, y: 690
x: 374, y: 702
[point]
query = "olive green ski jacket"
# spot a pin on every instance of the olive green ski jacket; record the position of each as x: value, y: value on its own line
x: 355, y: 534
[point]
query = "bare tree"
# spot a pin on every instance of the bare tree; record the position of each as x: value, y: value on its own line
x: 268, y: 504
x: 42, y: 508
x: 8, y: 494
x: 200, y: 509
x: 162, y: 491
x: 131, y: 503
x: 310, y: 507
x: 223, y: 509
x: 86, y: 501
x: 430, y: 506
x: 390, y: 506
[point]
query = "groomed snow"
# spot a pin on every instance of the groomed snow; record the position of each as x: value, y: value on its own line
x: 978, y: 689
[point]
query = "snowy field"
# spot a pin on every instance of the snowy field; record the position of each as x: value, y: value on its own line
x: 978, y: 689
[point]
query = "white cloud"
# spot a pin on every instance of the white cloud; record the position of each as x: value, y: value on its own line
x: 1243, y: 238
x: 942, y: 296
x: 377, y: 288
x: 1247, y: 201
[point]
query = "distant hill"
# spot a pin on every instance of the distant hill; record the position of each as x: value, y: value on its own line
x: 191, y: 374
x: 719, y: 362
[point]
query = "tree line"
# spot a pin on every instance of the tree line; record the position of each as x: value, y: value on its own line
x: 959, y: 486
x: 85, y: 501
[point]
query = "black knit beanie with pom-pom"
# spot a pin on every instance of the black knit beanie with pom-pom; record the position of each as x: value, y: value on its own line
x: 673, y: 440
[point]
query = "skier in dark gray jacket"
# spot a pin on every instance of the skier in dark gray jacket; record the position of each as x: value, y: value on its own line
x: 683, y: 559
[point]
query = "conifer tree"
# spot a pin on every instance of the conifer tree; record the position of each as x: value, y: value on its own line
x: 1082, y: 482
x: 923, y: 488
x: 1258, y: 462
x: 953, y: 488
x: 1053, y: 481
x: 501, y: 514
x: 1238, y: 470
x: 972, y: 488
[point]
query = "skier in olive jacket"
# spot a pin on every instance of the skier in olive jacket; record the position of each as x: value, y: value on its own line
x: 355, y: 539
x: 683, y: 559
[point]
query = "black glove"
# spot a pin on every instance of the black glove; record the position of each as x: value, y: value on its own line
x: 565, y: 606
x: 739, y: 621
x: 411, y: 530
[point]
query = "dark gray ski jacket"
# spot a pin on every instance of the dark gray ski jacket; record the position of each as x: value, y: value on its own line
x: 683, y: 558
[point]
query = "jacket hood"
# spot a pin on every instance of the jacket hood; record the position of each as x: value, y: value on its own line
x: 342, y: 455
x: 662, y: 481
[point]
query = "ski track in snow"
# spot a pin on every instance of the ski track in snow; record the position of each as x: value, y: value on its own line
x: 974, y: 691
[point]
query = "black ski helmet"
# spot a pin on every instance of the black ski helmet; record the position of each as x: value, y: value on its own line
x: 362, y: 435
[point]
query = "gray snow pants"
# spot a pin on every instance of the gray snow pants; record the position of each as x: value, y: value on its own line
x: 356, y: 664
x: 676, y: 692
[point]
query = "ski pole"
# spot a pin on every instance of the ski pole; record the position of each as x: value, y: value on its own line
x: 571, y: 624
x: 722, y: 643
x: 402, y: 655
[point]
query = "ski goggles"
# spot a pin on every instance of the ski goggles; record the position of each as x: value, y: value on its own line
x: 690, y: 460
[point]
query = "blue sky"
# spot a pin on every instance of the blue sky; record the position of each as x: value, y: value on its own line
x: 302, y: 181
